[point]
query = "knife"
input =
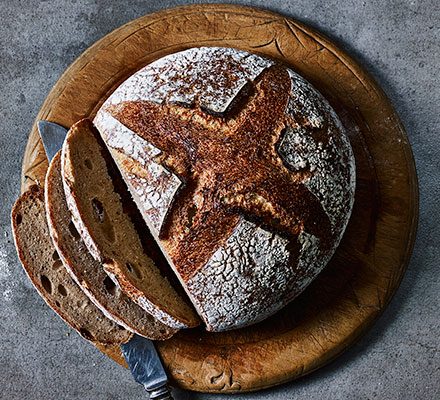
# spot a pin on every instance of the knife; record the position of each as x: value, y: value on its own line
x: 139, y: 352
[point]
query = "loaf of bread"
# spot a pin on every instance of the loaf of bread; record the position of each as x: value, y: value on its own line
x: 45, y: 270
x: 88, y: 273
x: 242, y: 171
x: 99, y: 215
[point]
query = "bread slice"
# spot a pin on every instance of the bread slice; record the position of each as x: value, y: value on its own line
x: 109, y: 233
x: 45, y: 270
x: 89, y: 273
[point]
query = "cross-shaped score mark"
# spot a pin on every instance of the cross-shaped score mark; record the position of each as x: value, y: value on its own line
x: 230, y: 168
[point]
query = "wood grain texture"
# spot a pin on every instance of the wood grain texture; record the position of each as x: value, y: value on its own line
x: 369, y: 264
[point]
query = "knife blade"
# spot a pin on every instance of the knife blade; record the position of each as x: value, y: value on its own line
x: 53, y: 136
x: 139, y: 352
x: 146, y: 367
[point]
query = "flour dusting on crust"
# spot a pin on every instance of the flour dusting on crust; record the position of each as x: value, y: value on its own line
x: 245, y: 279
x: 156, y: 187
x: 329, y: 157
x: 209, y: 75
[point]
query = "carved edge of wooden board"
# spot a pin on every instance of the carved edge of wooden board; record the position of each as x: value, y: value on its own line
x: 304, y: 48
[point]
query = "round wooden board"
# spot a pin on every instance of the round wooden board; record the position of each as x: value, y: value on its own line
x: 368, y: 266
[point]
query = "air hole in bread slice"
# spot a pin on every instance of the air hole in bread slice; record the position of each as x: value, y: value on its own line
x: 86, y: 333
x: 57, y: 264
x: 134, y: 270
x: 18, y: 219
x: 47, y: 284
x: 55, y: 256
x: 110, y: 286
x: 62, y: 290
x: 57, y: 303
x: 98, y: 210
x: 101, y: 216
x: 88, y: 164
x: 73, y: 231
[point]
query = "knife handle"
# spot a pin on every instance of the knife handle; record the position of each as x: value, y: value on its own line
x: 160, y: 393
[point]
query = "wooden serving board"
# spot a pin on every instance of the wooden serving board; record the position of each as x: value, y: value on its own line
x: 357, y: 285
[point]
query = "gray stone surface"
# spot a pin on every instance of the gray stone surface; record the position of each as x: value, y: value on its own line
x: 397, y: 41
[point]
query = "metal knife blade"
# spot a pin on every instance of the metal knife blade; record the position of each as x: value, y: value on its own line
x: 53, y: 136
x: 140, y: 353
x: 146, y: 367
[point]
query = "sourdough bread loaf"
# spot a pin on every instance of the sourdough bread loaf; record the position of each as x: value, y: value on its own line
x: 109, y: 233
x: 88, y: 273
x: 242, y: 171
x: 45, y: 270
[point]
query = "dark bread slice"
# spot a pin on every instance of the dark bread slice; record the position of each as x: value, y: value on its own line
x: 45, y: 270
x: 108, y: 232
x: 86, y: 271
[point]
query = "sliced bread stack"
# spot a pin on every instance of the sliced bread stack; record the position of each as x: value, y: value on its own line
x: 89, y: 273
x: 84, y: 287
x: 45, y: 270
x: 109, y: 233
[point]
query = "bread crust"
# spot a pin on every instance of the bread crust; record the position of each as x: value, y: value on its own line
x: 265, y: 173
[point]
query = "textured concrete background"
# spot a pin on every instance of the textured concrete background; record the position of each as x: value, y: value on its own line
x: 397, y: 41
